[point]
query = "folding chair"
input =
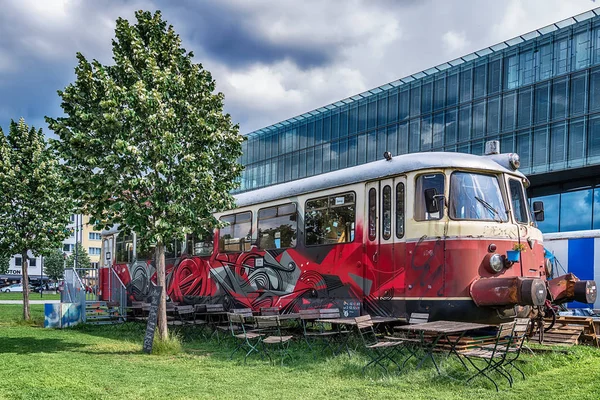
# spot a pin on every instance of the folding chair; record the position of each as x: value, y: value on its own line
x: 318, y: 336
x: 185, y: 314
x: 247, y: 340
x: 493, y: 356
x: 267, y: 311
x: 516, y: 345
x: 275, y: 340
x: 378, y: 350
x: 342, y: 332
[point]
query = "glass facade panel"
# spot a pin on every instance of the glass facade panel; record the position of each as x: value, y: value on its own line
x: 559, y: 99
x: 596, y: 211
x: 576, y: 151
x: 451, y: 126
x: 542, y: 102
x: 426, y: 134
x: 524, y: 107
x: 493, y: 116
x: 508, y: 112
x: 479, y: 81
x: 558, y: 138
x: 578, y: 94
x: 575, y: 210
x: 414, y: 136
x: 452, y: 90
x: 438, y: 131
x: 551, y: 208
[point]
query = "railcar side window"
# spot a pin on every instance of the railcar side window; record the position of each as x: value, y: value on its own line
x: 476, y: 197
x: 400, y: 210
x: 200, y: 245
x: 173, y: 249
x: 237, y: 236
x: 277, y: 227
x: 142, y: 253
x: 386, y: 213
x: 424, y: 182
x: 124, y: 249
x: 372, y: 214
x: 330, y: 220
x: 518, y: 200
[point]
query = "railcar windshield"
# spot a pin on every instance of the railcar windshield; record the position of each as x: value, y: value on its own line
x: 476, y: 197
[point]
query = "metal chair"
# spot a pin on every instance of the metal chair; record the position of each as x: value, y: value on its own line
x: 276, y: 339
x: 515, y: 347
x: 247, y: 340
x: 378, y: 350
x: 316, y: 336
x: 493, y: 356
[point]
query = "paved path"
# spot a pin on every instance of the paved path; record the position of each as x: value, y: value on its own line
x: 30, y: 301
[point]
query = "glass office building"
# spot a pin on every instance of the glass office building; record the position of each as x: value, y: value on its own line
x: 539, y: 94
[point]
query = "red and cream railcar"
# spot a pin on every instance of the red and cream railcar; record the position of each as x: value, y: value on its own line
x: 423, y: 232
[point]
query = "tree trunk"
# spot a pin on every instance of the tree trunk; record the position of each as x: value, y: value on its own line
x: 25, y: 282
x: 162, y: 282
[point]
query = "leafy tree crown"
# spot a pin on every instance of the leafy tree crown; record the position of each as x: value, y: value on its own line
x: 145, y: 141
x: 33, y: 208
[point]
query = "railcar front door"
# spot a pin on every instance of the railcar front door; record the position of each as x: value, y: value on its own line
x: 383, y: 282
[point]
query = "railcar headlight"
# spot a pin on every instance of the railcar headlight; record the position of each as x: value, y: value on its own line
x: 514, y: 160
x: 496, y: 263
x: 548, y: 265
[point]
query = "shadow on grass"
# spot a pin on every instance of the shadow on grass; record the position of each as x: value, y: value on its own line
x: 30, y: 345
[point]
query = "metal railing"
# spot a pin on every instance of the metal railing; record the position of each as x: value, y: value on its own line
x: 118, y: 293
x: 73, y: 290
x: 89, y: 278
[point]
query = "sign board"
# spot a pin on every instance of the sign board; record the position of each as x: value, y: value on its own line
x: 351, y: 308
x: 155, y: 292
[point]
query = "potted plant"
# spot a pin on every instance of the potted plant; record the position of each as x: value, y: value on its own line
x: 514, y: 255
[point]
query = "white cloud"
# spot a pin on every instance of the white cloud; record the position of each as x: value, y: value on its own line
x: 455, y: 41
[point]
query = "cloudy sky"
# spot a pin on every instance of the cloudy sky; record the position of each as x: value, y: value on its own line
x: 272, y: 59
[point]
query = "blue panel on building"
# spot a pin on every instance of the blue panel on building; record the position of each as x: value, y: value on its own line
x: 581, y: 262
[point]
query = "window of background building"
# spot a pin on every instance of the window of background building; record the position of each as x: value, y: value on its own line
x: 237, y: 236
x: 32, y: 262
x: 94, y: 236
x: 95, y: 265
x: 596, y: 213
x: 68, y: 247
x: 551, y: 213
x: 18, y: 262
x: 94, y: 251
x: 330, y: 220
x: 576, y: 210
x: 277, y: 227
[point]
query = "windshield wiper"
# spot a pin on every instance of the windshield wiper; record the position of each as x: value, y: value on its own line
x: 490, y: 208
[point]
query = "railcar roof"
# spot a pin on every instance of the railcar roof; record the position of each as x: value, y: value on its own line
x: 375, y: 170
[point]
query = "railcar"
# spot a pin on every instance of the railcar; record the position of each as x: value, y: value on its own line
x: 448, y: 234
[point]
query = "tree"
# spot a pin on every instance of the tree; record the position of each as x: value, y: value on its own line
x: 54, y: 265
x: 145, y: 141
x: 79, y: 254
x: 4, y: 264
x: 33, y: 209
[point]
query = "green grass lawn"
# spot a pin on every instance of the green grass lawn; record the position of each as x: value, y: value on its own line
x: 106, y: 362
x: 32, y: 296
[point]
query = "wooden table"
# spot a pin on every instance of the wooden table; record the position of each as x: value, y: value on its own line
x: 441, y: 330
